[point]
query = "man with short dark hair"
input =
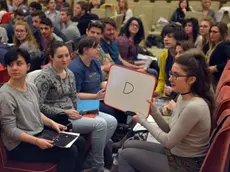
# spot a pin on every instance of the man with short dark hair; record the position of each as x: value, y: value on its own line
x: 48, y: 39
x: 52, y: 13
x: 36, y: 19
x: 83, y: 17
x: 95, y: 29
x: 110, y: 47
x: 67, y: 26
x: 33, y: 7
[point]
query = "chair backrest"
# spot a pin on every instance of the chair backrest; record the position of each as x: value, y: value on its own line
x: 6, y: 18
x: 4, y: 77
x: 164, y: 11
x: 222, y: 102
x: 224, y: 80
x: 217, y: 158
x: 119, y: 20
x: 197, y: 15
x: 145, y: 24
x: 215, y: 5
x: 1, y: 67
x: 30, y: 77
x: 226, y: 4
x: 100, y: 12
x: 226, y: 18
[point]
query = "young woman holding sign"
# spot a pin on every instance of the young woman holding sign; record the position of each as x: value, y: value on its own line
x: 185, y: 138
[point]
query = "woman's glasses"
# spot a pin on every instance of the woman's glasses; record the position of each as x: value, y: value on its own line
x: 133, y: 24
x: 176, y: 75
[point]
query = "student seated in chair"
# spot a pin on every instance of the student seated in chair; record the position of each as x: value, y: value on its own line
x: 110, y: 47
x: 22, y: 121
x: 184, y: 140
x: 88, y: 75
x: 170, y: 34
x: 57, y: 89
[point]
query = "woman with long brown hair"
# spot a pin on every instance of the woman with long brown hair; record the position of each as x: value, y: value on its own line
x: 205, y: 25
x: 124, y: 9
x: 219, y: 50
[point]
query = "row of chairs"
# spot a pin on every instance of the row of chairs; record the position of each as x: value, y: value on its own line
x: 218, y: 156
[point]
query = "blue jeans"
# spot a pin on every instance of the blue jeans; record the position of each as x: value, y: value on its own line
x: 101, y: 128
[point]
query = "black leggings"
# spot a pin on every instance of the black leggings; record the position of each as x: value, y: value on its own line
x: 70, y: 159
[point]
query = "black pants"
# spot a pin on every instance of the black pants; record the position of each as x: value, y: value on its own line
x: 119, y: 115
x: 70, y: 159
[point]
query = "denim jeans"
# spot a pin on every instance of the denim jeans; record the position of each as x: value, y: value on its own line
x: 101, y: 128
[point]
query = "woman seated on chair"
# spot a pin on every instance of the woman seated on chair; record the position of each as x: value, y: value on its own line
x: 205, y: 25
x: 128, y: 41
x: 24, y: 39
x: 125, y: 10
x: 184, y: 140
x: 57, y: 89
x: 191, y: 27
x: 128, y: 44
x: 179, y: 14
x: 207, y: 11
x: 219, y: 50
x: 88, y: 75
x: 22, y: 121
x: 19, y: 4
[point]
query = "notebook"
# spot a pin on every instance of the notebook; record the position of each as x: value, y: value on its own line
x: 62, y: 139
x: 85, y: 106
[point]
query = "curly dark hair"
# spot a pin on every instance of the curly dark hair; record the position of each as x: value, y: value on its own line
x: 176, y: 30
x: 140, y: 34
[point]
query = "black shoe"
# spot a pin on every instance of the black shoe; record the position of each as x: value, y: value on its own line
x: 119, y: 144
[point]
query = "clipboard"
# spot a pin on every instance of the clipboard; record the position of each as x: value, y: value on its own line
x: 129, y: 90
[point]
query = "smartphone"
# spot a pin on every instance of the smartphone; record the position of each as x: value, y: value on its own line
x: 130, y: 113
x: 69, y: 126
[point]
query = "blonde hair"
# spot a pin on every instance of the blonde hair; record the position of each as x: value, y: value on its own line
x: 211, y: 22
x: 29, y: 37
x: 126, y: 4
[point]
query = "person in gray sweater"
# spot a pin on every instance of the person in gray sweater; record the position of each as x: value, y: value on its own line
x: 57, y: 90
x: 21, y: 121
x: 185, y: 138
x: 69, y: 28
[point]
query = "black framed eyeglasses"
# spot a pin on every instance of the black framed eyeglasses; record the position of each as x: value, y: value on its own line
x: 176, y: 75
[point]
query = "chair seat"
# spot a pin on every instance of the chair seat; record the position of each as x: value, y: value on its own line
x: 14, y: 166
